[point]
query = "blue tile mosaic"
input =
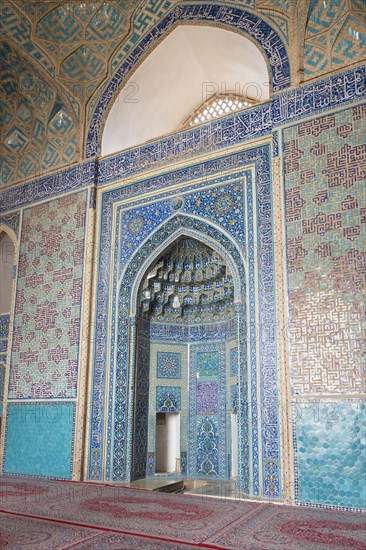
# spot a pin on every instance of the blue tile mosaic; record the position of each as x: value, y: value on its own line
x: 207, y: 398
x: 2, y: 377
x: 168, y: 399
x: 115, y: 442
x: 330, y: 453
x: 304, y: 101
x: 3, y: 346
x: 234, y: 362
x: 207, y: 422
x: 191, y: 333
x: 285, y: 107
x: 141, y: 409
x: 11, y: 220
x: 207, y: 364
x: 207, y: 453
x: 168, y: 364
x: 70, y: 179
x: 234, y: 398
x: 4, y: 325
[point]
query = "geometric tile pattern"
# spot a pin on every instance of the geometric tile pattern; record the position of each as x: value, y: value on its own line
x: 330, y: 92
x: 51, y: 32
x: 35, y: 122
x: 325, y: 171
x: 168, y: 364
x: 4, y: 333
x: 335, y: 35
x: 18, y: 29
x: 46, y: 334
x: 83, y: 36
x: 330, y: 453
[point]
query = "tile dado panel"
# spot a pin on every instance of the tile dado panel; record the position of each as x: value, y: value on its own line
x: 325, y: 171
x: 46, y: 433
x: 330, y: 452
x: 45, y: 347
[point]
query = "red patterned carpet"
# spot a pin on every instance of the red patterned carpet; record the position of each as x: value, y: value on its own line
x: 18, y: 532
x: 37, y: 514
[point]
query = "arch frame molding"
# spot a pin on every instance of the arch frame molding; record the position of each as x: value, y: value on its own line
x: 109, y: 456
x: 9, y: 225
x: 232, y: 18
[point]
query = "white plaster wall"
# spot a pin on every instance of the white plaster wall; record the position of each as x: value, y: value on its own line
x: 190, y: 65
x: 234, y: 445
x: 168, y: 443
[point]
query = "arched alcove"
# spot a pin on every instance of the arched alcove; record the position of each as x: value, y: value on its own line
x: 254, y: 32
x: 186, y: 388
x: 7, y: 261
x: 7, y: 253
x: 188, y: 67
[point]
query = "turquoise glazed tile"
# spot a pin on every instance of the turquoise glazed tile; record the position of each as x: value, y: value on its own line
x: 331, y: 454
x: 46, y: 435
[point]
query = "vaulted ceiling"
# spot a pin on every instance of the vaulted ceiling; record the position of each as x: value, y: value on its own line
x: 58, y: 57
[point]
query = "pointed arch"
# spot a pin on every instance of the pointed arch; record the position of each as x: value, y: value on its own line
x: 252, y: 26
x: 123, y: 364
x: 198, y: 235
x: 6, y: 326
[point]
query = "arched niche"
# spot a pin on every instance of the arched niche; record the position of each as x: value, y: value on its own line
x: 8, y: 250
x: 131, y: 412
x: 7, y: 259
x: 250, y: 25
x: 188, y: 67
x: 186, y: 389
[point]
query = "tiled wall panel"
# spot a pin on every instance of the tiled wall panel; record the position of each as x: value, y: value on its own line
x: 4, y: 333
x: 45, y: 351
x: 331, y: 453
x: 39, y: 439
x: 325, y: 171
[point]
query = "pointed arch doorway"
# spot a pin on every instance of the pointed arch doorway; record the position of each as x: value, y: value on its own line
x: 186, y: 366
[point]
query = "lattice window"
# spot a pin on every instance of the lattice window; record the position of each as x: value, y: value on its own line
x: 219, y: 106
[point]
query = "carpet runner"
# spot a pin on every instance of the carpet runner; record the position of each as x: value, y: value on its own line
x: 37, y: 514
